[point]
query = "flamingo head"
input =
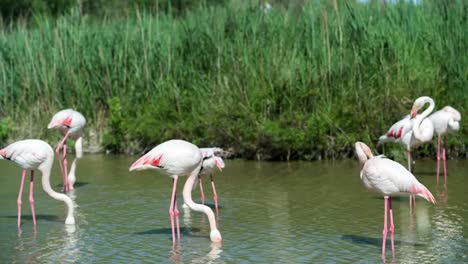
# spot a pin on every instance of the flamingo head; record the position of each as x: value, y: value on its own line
x: 363, y: 152
x: 215, y: 236
x: 147, y: 162
x: 418, y: 104
x: 219, y: 163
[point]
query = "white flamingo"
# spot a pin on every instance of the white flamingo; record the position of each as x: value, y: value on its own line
x: 33, y: 154
x: 211, y: 161
x: 179, y: 158
x: 70, y: 123
x: 413, y: 130
x: 447, y: 120
x: 388, y: 178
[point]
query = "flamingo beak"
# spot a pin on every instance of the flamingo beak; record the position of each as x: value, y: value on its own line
x: 219, y: 163
x: 414, y: 112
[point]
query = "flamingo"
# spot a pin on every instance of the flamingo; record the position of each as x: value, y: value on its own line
x: 210, y: 162
x: 445, y: 121
x: 413, y: 130
x: 178, y: 158
x: 34, y: 154
x: 389, y: 178
x: 70, y: 123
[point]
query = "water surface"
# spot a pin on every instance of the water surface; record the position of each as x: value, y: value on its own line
x: 270, y: 212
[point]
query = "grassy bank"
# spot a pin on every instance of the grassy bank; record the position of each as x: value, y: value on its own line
x: 304, y: 83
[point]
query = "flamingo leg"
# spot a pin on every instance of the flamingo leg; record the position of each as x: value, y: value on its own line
x: 19, y: 200
x: 202, y: 194
x: 215, y: 195
x: 384, y: 231
x: 171, y: 208
x: 444, y: 158
x: 176, y: 213
x: 57, y: 152
x: 31, y: 197
x: 65, y: 168
x: 438, y: 157
x: 392, y: 227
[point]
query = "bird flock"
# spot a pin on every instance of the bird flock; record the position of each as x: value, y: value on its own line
x: 181, y: 158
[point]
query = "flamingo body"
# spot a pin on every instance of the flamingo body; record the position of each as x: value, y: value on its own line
x: 388, y: 178
x: 71, y: 124
x: 178, y: 158
x: 32, y: 154
x: 447, y: 120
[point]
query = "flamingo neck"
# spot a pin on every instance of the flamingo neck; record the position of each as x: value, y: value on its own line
x: 187, y: 194
x: 419, y: 118
x: 57, y: 196
x: 79, y: 147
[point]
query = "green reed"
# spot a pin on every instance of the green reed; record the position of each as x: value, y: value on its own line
x: 299, y: 83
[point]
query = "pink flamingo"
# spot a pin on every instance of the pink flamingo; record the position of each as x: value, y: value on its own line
x: 179, y: 158
x: 33, y: 154
x: 210, y: 162
x: 389, y: 178
x: 445, y: 121
x: 70, y: 123
x: 413, y: 130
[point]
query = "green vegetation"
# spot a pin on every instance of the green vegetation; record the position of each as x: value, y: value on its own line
x: 302, y: 83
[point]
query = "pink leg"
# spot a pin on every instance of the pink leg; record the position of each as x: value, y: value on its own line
x: 438, y: 157
x: 392, y: 227
x: 202, y: 194
x: 176, y: 213
x: 445, y: 158
x: 215, y: 195
x: 31, y: 197
x: 57, y: 152
x: 384, y: 232
x: 18, y: 201
x: 65, y: 168
x: 171, y: 208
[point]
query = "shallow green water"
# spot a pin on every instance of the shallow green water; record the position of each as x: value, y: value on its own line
x: 297, y: 212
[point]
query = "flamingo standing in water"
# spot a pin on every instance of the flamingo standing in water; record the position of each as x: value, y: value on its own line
x: 33, y: 154
x: 179, y: 158
x: 413, y: 130
x: 210, y: 163
x: 389, y: 178
x: 445, y: 121
x: 70, y: 123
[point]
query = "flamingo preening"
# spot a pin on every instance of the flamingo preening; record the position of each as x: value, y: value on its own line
x: 388, y: 178
x: 413, y: 130
x: 70, y: 123
x: 179, y: 158
x: 211, y: 161
x: 447, y: 120
x: 33, y: 154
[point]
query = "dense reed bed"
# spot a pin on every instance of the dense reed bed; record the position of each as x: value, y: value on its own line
x: 289, y: 84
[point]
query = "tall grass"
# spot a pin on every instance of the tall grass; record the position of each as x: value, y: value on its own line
x: 288, y: 84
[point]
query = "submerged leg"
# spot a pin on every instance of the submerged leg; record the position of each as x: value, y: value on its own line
x: 438, y: 157
x: 384, y: 231
x: 31, y: 197
x: 202, y: 194
x: 215, y: 195
x: 392, y: 227
x: 171, y: 208
x: 18, y: 201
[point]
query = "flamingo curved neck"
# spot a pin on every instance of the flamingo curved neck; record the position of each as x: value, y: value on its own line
x: 417, y: 122
x: 187, y: 194
x: 57, y: 196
